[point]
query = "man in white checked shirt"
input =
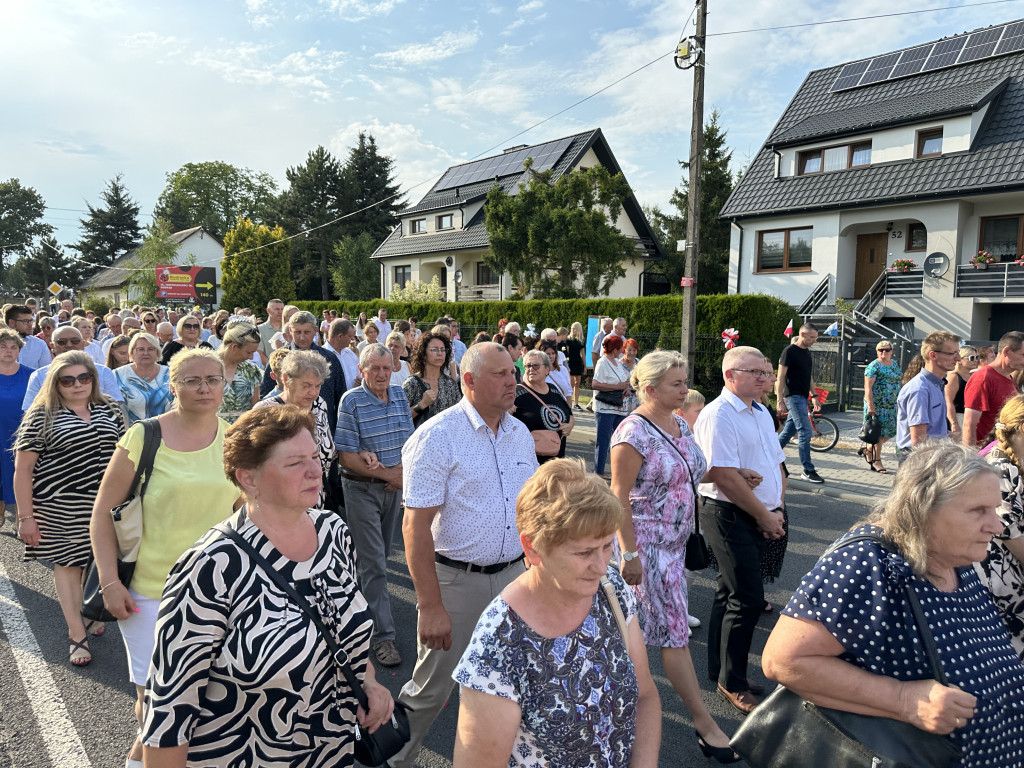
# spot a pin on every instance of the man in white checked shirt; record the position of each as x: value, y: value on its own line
x: 463, y: 470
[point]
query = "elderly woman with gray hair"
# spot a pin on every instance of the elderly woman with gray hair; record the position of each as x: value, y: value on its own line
x: 145, y: 385
x: 848, y: 639
x: 302, y: 374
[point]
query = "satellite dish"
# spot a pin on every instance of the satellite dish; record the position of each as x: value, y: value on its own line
x: 936, y: 264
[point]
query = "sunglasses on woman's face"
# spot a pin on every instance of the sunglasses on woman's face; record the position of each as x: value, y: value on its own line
x: 69, y: 381
x: 973, y: 358
x: 191, y: 326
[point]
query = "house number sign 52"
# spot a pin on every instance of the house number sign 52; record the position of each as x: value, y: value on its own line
x: 896, y: 234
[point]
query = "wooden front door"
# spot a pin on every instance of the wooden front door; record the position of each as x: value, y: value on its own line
x: 871, y: 252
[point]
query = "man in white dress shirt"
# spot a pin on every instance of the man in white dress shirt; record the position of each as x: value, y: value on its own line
x: 35, y: 353
x: 383, y: 326
x: 735, y: 433
x: 339, y: 338
x: 462, y: 472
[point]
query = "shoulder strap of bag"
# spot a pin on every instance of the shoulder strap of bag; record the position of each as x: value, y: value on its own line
x: 693, y: 483
x: 613, y: 602
x: 545, y: 405
x: 915, y: 604
x: 150, y: 445
x: 339, y: 654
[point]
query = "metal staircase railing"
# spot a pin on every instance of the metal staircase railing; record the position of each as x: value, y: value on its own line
x: 874, y: 297
x: 818, y: 297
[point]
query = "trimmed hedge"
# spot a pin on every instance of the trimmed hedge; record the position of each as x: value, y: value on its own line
x: 760, y: 319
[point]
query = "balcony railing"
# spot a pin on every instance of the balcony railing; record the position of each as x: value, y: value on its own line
x: 993, y: 281
x: 479, y: 292
x: 904, y: 284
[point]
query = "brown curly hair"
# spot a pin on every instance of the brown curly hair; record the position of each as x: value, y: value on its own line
x: 419, y: 354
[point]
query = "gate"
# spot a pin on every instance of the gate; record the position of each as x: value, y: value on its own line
x: 839, y: 365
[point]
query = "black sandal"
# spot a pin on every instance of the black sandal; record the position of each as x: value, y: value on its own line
x: 79, y: 661
x: 863, y: 453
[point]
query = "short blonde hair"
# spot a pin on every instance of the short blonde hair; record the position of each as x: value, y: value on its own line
x: 143, y: 336
x: 651, y: 369
x: 563, y: 502
x: 186, y: 356
x: 693, y: 399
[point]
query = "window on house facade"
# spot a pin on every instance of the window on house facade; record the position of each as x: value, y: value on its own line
x: 837, y: 158
x: 917, y: 237
x: 1002, y: 237
x: 485, y: 275
x: 418, y: 226
x: 403, y: 275
x: 445, y: 221
x: 784, y: 250
x: 929, y: 143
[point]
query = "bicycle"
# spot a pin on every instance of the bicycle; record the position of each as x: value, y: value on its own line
x: 824, y: 432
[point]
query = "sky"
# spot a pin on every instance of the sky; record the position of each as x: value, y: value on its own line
x: 94, y: 88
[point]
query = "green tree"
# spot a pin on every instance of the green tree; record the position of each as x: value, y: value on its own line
x: 21, y: 221
x: 252, y: 278
x: 43, y: 264
x: 315, y: 198
x: 717, y: 183
x: 215, y: 195
x: 556, y: 240
x: 112, y: 229
x: 157, y: 248
x: 354, y: 274
x: 369, y: 184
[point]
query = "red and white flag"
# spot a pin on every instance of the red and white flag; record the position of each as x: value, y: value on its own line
x: 789, y: 330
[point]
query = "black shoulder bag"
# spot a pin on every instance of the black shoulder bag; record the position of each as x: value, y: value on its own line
x: 787, y: 730
x: 371, y: 749
x: 92, y: 597
x: 697, y: 556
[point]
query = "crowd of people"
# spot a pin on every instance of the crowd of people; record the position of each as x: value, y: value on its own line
x: 305, y: 446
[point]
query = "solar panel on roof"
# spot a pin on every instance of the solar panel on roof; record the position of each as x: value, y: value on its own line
x: 911, y: 61
x: 544, y: 156
x: 879, y: 68
x: 945, y: 53
x: 981, y: 45
x: 850, y: 75
x: 1013, y: 39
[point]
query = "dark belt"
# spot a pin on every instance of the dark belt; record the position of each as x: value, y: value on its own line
x: 361, y: 478
x: 471, y: 568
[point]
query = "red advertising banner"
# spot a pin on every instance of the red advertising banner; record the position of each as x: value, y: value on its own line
x: 196, y: 283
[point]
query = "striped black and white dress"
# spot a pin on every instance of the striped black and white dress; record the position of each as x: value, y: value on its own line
x: 73, y: 455
x: 239, y: 673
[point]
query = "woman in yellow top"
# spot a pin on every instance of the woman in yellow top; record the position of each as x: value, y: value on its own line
x: 187, y: 495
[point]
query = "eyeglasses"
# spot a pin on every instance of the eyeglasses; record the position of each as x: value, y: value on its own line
x: 69, y: 381
x: 191, y: 326
x: 885, y: 349
x: 195, y: 382
x: 65, y: 342
x: 149, y: 320
x: 973, y: 358
x: 22, y: 320
x: 531, y: 366
x: 755, y: 372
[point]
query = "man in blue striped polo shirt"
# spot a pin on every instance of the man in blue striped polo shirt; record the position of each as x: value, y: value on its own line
x: 374, y: 417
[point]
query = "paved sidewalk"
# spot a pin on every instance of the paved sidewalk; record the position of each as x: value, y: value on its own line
x: 845, y: 473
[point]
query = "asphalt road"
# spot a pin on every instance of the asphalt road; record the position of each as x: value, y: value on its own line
x: 52, y: 714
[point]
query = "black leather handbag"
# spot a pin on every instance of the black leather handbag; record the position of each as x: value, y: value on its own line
x: 786, y: 730
x: 371, y: 749
x: 871, y: 430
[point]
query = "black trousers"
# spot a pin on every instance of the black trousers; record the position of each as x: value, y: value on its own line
x: 738, y: 545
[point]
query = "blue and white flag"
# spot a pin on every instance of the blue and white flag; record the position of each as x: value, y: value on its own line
x: 832, y: 330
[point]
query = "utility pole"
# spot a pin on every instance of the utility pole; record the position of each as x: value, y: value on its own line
x: 689, y: 329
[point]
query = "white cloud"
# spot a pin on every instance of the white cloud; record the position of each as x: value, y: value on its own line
x: 533, y: 5
x: 442, y: 47
x: 419, y: 162
x: 485, y: 97
x: 253, y: 64
x: 357, y: 10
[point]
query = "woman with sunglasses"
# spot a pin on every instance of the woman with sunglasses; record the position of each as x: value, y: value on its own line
x: 145, y: 385
x: 882, y: 380
x: 63, y: 445
x: 956, y: 381
x: 187, y: 495
x: 189, y: 329
x: 243, y: 376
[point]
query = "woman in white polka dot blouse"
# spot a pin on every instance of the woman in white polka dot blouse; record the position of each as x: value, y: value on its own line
x: 941, y: 516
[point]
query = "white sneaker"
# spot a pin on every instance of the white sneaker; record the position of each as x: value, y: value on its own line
x: 692, y: 621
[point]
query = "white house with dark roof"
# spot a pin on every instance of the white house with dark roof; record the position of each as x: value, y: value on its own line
x: 112, y: 283
x: 914, y: 154
x: 445, y: 232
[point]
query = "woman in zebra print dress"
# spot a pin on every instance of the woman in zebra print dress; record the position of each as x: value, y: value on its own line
x: 63, y: 446
x: 241, y: 676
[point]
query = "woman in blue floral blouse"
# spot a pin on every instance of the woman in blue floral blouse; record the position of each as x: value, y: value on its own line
x: 549, y: 678
x: 881, y: 388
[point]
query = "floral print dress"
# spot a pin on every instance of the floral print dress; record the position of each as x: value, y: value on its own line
x: 663, y: 501
x: 888, y: 379
x: 1001, y: 572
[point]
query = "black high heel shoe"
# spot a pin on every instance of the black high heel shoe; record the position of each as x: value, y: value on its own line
x: 723, y: 755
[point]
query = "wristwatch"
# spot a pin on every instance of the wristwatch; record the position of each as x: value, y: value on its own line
x: 627, y: 556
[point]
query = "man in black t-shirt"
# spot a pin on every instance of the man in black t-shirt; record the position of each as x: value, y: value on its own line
x: 795, y: 387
